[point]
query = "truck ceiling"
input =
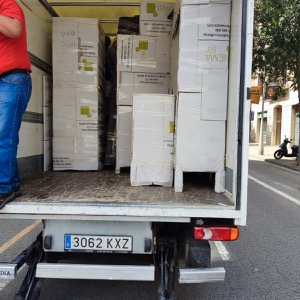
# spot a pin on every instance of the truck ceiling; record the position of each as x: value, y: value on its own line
x: 108, y: 12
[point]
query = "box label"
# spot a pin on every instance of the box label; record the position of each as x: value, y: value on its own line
x: 124, y: 53
x: 213, y: 54
x: 88, y: 128
x: 214, y: 22
x: 143, y: 45
x: 151, y: 79
x: 156, y: 10
x: 171, y: 127
x: 217, y: 32
x: 155, y: 28
x: 144, y: 54
x: 62, y: 162
x: 88, y: 49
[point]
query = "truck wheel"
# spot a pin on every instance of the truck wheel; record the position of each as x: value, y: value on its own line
x: 278, y: 154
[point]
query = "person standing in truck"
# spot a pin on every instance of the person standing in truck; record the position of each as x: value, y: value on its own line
x: 15, y: 92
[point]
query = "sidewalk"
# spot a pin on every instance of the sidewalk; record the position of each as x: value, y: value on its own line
x: 286, y: 162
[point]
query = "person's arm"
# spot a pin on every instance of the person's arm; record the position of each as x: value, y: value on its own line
x: 10, y: 27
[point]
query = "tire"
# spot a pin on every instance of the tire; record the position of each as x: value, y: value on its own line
x: 278, y: 154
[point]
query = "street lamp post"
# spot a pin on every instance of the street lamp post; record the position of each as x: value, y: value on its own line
x: 298, y: 116
x: 261, y: 135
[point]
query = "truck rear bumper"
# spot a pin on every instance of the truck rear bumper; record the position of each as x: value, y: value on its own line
x: 124, y: 272
x: 8, y: 271
x: 102, y: 272
x: 201, y: 275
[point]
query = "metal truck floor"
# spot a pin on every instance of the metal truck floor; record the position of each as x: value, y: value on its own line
x: 104, y: 193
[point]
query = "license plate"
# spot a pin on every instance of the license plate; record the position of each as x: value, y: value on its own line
x: 98, y: 243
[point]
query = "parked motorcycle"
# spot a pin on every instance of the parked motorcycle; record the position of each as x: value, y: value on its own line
x: 283, y: 151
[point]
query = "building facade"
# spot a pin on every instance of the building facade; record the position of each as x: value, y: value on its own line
x: 279, y: 120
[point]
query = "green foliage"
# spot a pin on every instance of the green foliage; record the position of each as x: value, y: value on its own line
x: 276, y: 43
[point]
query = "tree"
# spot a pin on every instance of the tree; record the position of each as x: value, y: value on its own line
x: 276, y: 45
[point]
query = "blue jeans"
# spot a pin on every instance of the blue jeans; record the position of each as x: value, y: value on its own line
x: 15, y: 92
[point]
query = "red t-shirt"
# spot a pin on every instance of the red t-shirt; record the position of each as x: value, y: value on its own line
x: 13, y: 51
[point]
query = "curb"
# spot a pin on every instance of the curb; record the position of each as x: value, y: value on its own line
x: 288, y: 164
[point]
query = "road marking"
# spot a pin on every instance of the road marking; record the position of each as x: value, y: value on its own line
x: 275, y: 191
x: 222, y: 250
x: 18, y: 236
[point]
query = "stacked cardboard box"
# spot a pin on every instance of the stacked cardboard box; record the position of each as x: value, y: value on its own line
x: 143, y: 64
x: 135, y: 83
x: 152, y: 143
x: 200, y: 51
x: 78, y: 74
x: 156, y: 18
x: 146, y: 54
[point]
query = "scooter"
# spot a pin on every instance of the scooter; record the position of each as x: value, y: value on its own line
x: 283, y: 151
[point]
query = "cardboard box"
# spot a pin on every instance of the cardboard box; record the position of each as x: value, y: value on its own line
x: 69, y: 71
x: 63, y: 153
x: 123, y: 141
x: 202, y: 42
x: 152, y: 140
x: 86, y: 154
x: 190, y: 76
x: 86, y: 147
x: 199, y: 144
x: 151, y: 54
x: 136, y: 53
x: 201, y: 22
x: 214, y: 94
x: 156, y: 18
x: 77, y: 34
x: 156, y: 11
x: 78, y: 71
x: 88, y: 104
x: 77, y: 111
x: 80, y: 154
x: 130, y: 83
x: 78, y: 51
x: 63, y: 126
x: 76, y: 118
x: 212, y: 86
x: 64, y: 112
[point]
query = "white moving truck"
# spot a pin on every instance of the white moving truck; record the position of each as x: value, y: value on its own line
x: 95, y: 224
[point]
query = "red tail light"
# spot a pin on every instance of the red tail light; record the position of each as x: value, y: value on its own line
x: 216, y: 233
